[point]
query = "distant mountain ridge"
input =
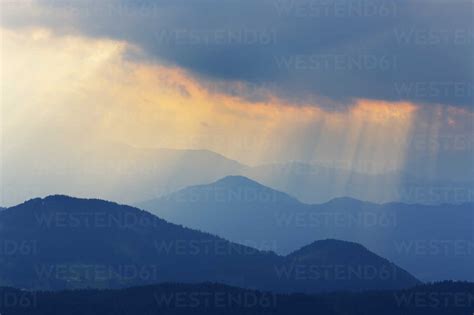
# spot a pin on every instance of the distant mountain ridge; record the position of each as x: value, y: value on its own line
x: 66, y: 243
x: 114, y: 172
x: 130, y: 175
x: 237, y: 188
x: 316, y: 183
x: 417, y: 237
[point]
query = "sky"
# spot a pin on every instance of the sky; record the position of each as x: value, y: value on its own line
x: 371, y: 86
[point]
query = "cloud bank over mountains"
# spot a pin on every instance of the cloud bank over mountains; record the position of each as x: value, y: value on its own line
x: 373, y: 87
x: 307, y: 51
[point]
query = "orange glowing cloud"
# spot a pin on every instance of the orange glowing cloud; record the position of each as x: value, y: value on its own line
x: 87, y: 89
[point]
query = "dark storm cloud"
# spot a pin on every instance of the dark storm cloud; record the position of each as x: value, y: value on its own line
x: 333, y: 50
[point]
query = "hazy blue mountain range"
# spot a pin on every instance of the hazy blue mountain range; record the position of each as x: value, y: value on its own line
x: 313, y: 183
x: 447, y: 298
x: 61, y: 242
x: 130, y: 175
x: 116, y: 172
x: 419, y: 238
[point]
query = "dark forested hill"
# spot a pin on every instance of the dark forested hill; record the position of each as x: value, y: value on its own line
x: 61, y: 242
x: 448, y: 298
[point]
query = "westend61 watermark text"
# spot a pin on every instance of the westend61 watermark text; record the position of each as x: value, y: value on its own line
x: 435, y: 299
x: 61, y: 8
x: 336, y: 8
x: 223, y: 195
x: 337, y: 62
x: 333, y: 219
x: 96, y: 272
x: 91, y: 220
x: 247, y: 299
x: 216, y: 37
x: 18, y: 248
x: 433, y: 89
x: 435, y: 247
x: 336, y: 272
x: 446, y: 142
x: 431, y: 37
x: 18, y: 299
x: 217, y: 247
x: 437, y: 195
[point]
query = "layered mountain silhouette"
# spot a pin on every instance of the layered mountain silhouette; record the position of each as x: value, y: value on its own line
x: 111, y: 171
x: 317, y: 183
x: 61, y: 242
x: 130, y: 175
x: 447, y: 298
x: 419, y: 238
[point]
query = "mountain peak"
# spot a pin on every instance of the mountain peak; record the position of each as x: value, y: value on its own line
x: 234, y: 189
x: 63, y: 207
x: 329, y: 244
x: 65, y: 199
x: 334, y: 251
x: 237, y: 181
